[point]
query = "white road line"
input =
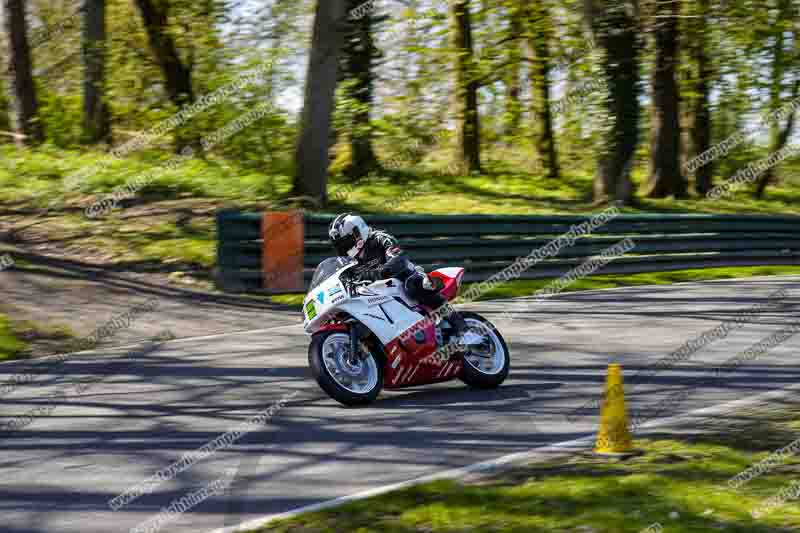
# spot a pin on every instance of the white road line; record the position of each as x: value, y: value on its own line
x: 506, y: 461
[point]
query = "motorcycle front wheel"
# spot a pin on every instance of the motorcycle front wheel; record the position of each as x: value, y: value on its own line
x: 348, y: 380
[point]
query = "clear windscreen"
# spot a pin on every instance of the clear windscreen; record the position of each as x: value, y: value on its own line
x: 328, y: 268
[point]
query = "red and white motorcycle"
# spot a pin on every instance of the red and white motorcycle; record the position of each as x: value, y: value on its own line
x: 366, y: 336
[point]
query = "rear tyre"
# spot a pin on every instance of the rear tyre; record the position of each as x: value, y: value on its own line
x: 487, y: 364
x: 348, y: 381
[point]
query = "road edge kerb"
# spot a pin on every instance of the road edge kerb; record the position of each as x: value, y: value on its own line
x: 506, y: 462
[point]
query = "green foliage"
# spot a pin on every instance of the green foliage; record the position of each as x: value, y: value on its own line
x: 62, y: 114
x: 36, y: 176
x: 411, y: 121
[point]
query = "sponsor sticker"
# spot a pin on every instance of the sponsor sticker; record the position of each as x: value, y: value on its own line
x: 311, y: 310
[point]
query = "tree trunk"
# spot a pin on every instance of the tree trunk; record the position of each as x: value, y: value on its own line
x: 615, y: 27
x: 465, y: 106
x: 544, y: 137
x: 25, y: 106
x: 778, y: 142
x: 311, y: 157
x: 700, y: 129
x: 359, y: 53
x: 407, y: 76
x: 96, y: 117
x: 779, y: 134
x: 666, y: 177
x: 177, y: 76
x: 513, y: 106
x: 5, y: 118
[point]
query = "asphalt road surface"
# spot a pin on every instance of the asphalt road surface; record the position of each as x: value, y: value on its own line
x: 141, y: 410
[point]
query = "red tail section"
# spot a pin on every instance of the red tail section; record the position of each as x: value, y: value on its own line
x: 451, y: 278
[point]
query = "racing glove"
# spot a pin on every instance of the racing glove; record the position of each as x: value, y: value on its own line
x: 427, y: 284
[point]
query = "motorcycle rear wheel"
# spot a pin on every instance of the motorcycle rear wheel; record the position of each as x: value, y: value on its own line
x: 485, y: 366
x: 348, y: 381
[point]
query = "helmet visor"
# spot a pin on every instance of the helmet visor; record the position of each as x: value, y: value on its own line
x: 345, y: 246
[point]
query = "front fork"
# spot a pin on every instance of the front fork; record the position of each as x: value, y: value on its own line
x: 357, y: 332
x: 354, y: 337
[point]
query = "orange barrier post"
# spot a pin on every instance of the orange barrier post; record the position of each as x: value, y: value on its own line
x: 282, y: 259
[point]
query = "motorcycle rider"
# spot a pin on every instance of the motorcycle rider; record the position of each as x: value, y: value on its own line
x: 379, y: 256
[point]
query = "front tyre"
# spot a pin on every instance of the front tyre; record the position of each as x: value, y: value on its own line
x: 348, y: 380
x: 486, y: 364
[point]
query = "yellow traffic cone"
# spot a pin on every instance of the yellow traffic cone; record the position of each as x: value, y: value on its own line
x: 614, y: 438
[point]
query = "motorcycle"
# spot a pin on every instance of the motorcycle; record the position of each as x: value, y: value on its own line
x: 366, y: 336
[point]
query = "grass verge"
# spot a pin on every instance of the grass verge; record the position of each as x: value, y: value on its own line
x: 10, y: 345
x: 35, y: 177
x: 680, y: 482
x: 21, y: 339
x: 608, y: 281
x: 518, y: 288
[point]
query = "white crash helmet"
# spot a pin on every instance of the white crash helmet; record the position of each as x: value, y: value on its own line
x: 348, y: 234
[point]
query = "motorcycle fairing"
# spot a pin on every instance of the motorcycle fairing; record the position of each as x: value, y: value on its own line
x: 405, y: 369
x: 385, y: 309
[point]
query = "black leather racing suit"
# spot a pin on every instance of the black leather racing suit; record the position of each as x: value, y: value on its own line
x: 382, y: 258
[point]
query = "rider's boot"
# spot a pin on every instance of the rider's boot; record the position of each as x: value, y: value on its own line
x: 459, y: 336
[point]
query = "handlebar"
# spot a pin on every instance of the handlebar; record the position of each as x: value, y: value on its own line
x: 352, y: 286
